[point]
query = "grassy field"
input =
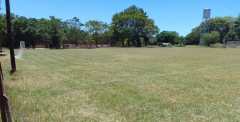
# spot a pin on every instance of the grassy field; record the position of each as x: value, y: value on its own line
x: 126, y: 85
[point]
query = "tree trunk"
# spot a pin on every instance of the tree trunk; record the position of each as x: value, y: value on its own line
x: 139, y: 43
x: 128, y: 42
x: 96, y: 43
x: 146, y: 40
x: 123, y: 45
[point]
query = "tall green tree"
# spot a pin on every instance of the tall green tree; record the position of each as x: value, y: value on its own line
x: 231, y: 36
x: 74, y: 32
x: 193, y: 37
x: 236, y: 26
x: 96, y: 30
x: 56, y: 32
x: 168, y: 37
x: 133, y: 25
x: 220, y: 24
x: 211, y: 38
x: 25, y: 29
x: 43, y: 32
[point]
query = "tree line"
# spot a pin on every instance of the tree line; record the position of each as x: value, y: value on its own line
x: 54, y: 32
x: 131, y: 27
x: 216, y: 30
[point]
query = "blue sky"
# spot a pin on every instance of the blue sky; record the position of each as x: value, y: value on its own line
x: 172, y: 15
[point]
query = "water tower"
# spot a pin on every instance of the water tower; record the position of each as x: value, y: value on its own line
x: 206, y: 14
x: 206, y: 17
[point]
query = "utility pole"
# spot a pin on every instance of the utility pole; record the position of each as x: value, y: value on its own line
x: 9, y: 36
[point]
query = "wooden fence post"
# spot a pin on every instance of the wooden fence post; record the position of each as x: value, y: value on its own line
x: 4, y: 106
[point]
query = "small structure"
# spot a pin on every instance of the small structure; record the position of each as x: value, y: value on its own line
x: 166, y: 45
x: 22, y: 45
x: 19, y: 53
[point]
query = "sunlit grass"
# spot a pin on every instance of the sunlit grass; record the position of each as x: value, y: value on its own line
x: 126, y: 84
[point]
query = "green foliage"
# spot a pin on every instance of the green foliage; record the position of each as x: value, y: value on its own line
x: 131, y: 25
x: 236, y: 26
x: 180, y: 41
x: 73, y: 32
x: 97, y: 31
x: 25, y: 30
x: 218, y: 45
x: 227, y: 27
x: 211, y: 38
x: 56, y: 32
x: 2, y: 31
x: 231, y: 36
x: 169, y: 37
x: 193, y: 37
x: 219, y: 24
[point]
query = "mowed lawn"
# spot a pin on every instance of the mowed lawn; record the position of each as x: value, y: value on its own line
x: 126, y: 85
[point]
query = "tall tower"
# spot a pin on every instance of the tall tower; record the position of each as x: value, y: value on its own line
x: 206, y: 17
x: 0, y: 5
x: 206, y: 14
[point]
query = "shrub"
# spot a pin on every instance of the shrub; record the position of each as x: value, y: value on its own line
x: 211, y: 38
x: 217, y: 45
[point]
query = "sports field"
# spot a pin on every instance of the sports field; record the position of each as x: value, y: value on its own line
x: 126, y: 85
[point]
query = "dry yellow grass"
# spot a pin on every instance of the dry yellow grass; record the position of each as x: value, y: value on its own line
x: 126, y: 84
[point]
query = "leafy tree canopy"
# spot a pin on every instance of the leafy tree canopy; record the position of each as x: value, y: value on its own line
x: 168, y: 37
x: 131, y: 25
